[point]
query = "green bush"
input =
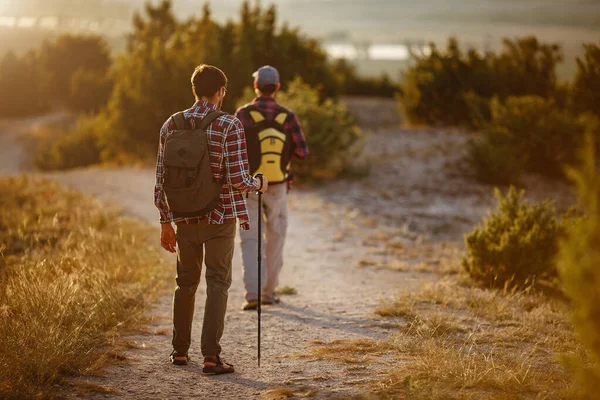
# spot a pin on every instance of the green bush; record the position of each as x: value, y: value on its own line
x: 67, y: 54
x: 65, y: 145
x: 493, y: 160
x: 88, y: 91
x: 33, y: 83
x: 578, y: 266
x: 525, y: 134
x: 22, y: 86
x: 438, y: 88
x: 333, y: 139
x: 516, y: 244
x: 586, y: 88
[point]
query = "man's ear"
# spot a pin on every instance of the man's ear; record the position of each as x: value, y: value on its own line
x: 278, y: 86
x: 255, y: 85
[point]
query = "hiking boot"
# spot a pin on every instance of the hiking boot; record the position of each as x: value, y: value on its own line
x: 250, y: 305
x: 274, y: 299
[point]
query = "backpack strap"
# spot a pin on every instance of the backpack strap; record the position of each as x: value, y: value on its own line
x: 281, y: 117
x: 180, y: 122
x: 210, y: 118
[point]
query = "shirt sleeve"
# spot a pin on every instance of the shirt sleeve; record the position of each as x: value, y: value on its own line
x: 160, y: 200
x: 236, y: 158
x: 243, y: 116
x: 300, y: 146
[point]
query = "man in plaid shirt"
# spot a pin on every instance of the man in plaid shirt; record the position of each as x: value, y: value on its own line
x: 207, y: 237
x: 266, y: 84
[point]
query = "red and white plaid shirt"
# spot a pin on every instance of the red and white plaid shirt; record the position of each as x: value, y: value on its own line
x: 229, y: 163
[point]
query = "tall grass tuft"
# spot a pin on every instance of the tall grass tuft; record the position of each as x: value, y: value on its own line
x: 72, y: 276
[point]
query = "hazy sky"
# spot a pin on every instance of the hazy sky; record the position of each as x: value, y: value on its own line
x: 378, y: 20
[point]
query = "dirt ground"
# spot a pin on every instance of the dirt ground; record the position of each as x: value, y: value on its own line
x: 415, y: 197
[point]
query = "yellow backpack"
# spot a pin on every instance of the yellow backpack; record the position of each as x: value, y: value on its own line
x: 270, y: 148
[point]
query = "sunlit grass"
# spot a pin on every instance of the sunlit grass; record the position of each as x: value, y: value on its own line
x: 72, y: 277
x: 459, y: 341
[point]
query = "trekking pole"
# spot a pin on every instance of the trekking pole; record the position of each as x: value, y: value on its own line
x: 258, y: 309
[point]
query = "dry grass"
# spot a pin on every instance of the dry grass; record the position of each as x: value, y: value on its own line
x: 73, y: 277
x: 401, y: 306
x: 286, y: 290
x: 459, y: 341
x: 278, y: 393
x: 357, y: 351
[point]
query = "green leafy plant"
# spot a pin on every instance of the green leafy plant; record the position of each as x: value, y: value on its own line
x: 515, y: 244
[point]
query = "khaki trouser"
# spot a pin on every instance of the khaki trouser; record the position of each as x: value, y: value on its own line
x: 274, y: 231
x: 193, y: 240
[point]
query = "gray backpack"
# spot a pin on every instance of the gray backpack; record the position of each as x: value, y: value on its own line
x: 189, y: 186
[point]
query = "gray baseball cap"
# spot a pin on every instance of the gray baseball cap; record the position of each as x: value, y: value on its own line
x: 266, y: 75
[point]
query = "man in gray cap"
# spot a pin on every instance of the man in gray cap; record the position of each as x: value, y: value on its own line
x: 273, y: 138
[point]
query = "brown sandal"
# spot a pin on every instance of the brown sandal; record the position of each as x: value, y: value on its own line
x: 221, y: 366
x: 175, y: 361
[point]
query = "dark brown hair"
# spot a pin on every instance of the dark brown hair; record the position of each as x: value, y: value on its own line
x: 207, y: 80
x: 268, y: 89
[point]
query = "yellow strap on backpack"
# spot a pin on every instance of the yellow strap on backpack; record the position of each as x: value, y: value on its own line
x: 280, y: 119
x: 256, y: 116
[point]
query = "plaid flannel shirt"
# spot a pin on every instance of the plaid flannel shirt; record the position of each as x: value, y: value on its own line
x: 229, y: 163
x: 270, y: 108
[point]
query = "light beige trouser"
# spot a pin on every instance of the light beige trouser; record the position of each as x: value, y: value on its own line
x: 274, y: 230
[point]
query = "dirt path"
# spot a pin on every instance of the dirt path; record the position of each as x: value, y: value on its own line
x: 13, y: 159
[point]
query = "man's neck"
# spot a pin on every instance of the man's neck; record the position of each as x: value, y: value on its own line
x: 207, y: 100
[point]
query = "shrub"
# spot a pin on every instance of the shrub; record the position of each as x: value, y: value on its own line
x: 586, y: 88
x: 72, y: 277
x: 578, y: 263
x: 525, y: 134
x: 22, y: 86
x: 65, y: 145
x: 493, y: 160
x: 516, y: 244
x: 33, y: 83
x: 67, y: 54
x: 333, y: 139
x: 439, y: 87
x: 88, y: 91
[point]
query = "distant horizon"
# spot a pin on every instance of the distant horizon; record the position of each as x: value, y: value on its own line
x: 474, y: 23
